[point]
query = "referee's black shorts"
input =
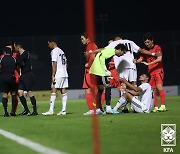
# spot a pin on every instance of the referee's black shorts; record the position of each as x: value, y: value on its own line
x: 26, y: 81
x: 8, y: 83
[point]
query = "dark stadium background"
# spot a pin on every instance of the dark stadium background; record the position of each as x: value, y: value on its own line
x: 34, y: 21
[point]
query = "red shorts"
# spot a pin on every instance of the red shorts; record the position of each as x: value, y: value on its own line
x: 156, y: 78
x: 89, y: 80
x: 114, y: 82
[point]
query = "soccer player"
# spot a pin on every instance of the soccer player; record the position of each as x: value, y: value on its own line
x: 7, y: 67
x: 99, y: 68
x: 26, y: 81
x: 59, y: 76
x: 87, y: 82
x: 155, y: 69
x: 145, y: 102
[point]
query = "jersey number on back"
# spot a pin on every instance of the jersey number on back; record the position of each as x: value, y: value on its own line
x: 128, y: 46
x: 63, y: 59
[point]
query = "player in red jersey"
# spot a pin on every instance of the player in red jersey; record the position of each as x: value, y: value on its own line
x: 155, y: 69
x: 88, y: 78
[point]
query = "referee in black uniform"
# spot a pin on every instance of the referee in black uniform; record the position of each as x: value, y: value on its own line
x: 7, y: 67
x: 26, y: 81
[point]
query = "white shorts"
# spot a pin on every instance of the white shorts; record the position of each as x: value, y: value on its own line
x: 60, y: 83
x: 129, y: 74
x: 137, y: 106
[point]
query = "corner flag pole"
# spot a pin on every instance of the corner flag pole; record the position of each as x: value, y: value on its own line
x: 90, y: 30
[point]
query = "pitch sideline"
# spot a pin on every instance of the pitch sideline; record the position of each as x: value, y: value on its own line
x: 30, y: 144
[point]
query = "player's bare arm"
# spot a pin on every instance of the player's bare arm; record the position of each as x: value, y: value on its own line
x: 159, y: 59
x: 134, y: 93
x: 137, y: 61
x: 146, y: 52
x: 54, y: 68
x: 96, y: 51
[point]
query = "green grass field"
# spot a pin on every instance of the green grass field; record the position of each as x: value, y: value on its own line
x: 130, y: 133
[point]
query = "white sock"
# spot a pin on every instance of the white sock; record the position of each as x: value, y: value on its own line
x: 98, y: 110
x: 52, y: 101
x: 108, y: 107
x: 162, y: 105
x: 122, y: 102
x: 64, y: 101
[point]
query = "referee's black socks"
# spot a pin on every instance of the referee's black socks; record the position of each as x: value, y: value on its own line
x: 33, y: 102
x: 4, y: 102
x: 24, y: 103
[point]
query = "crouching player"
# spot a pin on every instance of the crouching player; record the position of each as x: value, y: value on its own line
x: 143, y: 104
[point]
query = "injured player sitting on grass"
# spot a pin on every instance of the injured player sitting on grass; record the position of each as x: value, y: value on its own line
x: 141, y: 104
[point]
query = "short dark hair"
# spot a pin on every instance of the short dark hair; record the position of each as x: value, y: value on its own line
x: 53, y: 39
x: 84, y: 34
x: 148, y: 36
x: 8, y: 44
x: 7, y: 50
x: 19, y: 43
x: 121, y: 47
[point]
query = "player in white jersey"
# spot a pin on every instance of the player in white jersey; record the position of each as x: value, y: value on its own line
x: 145, y: 102
x: 59, y: 77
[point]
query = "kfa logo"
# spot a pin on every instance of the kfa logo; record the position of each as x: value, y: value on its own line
x: 168, y: 134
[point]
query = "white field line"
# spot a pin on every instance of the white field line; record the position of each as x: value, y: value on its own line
x: 30, y: 144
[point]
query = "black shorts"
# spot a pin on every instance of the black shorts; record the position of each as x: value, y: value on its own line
x: 102, y: 80
x: 26, y: 82
x: 8, y: 83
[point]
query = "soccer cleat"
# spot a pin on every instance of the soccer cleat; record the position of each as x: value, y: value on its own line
x: 90, y: 112
x: 6, y: 114
x: 48, y: 113
x: 13, y: 114
x: 99, y: 112
x: 155, y: 110
x: 112, y: 112
x: 25, y: 113
x: 34, y: 114
x: 62, y: 113
x: 125, y: 111
x: 162, y: 109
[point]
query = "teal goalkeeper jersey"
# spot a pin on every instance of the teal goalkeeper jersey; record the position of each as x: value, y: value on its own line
x: 98, y: 64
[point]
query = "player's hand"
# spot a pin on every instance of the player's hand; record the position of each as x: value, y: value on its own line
x: 123, y: 80
x: 109, y: 78
x: 17, y: 80
x: 121, y: 88
x: 90, y: 51
x: 145, y: 63
x: 134, y: 61
x: 53, y: 80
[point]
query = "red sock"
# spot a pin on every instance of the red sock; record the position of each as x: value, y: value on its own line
x: 89, y: 101
x: 102, y: 98
x: 155, y: 100
x: 162, y: 96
